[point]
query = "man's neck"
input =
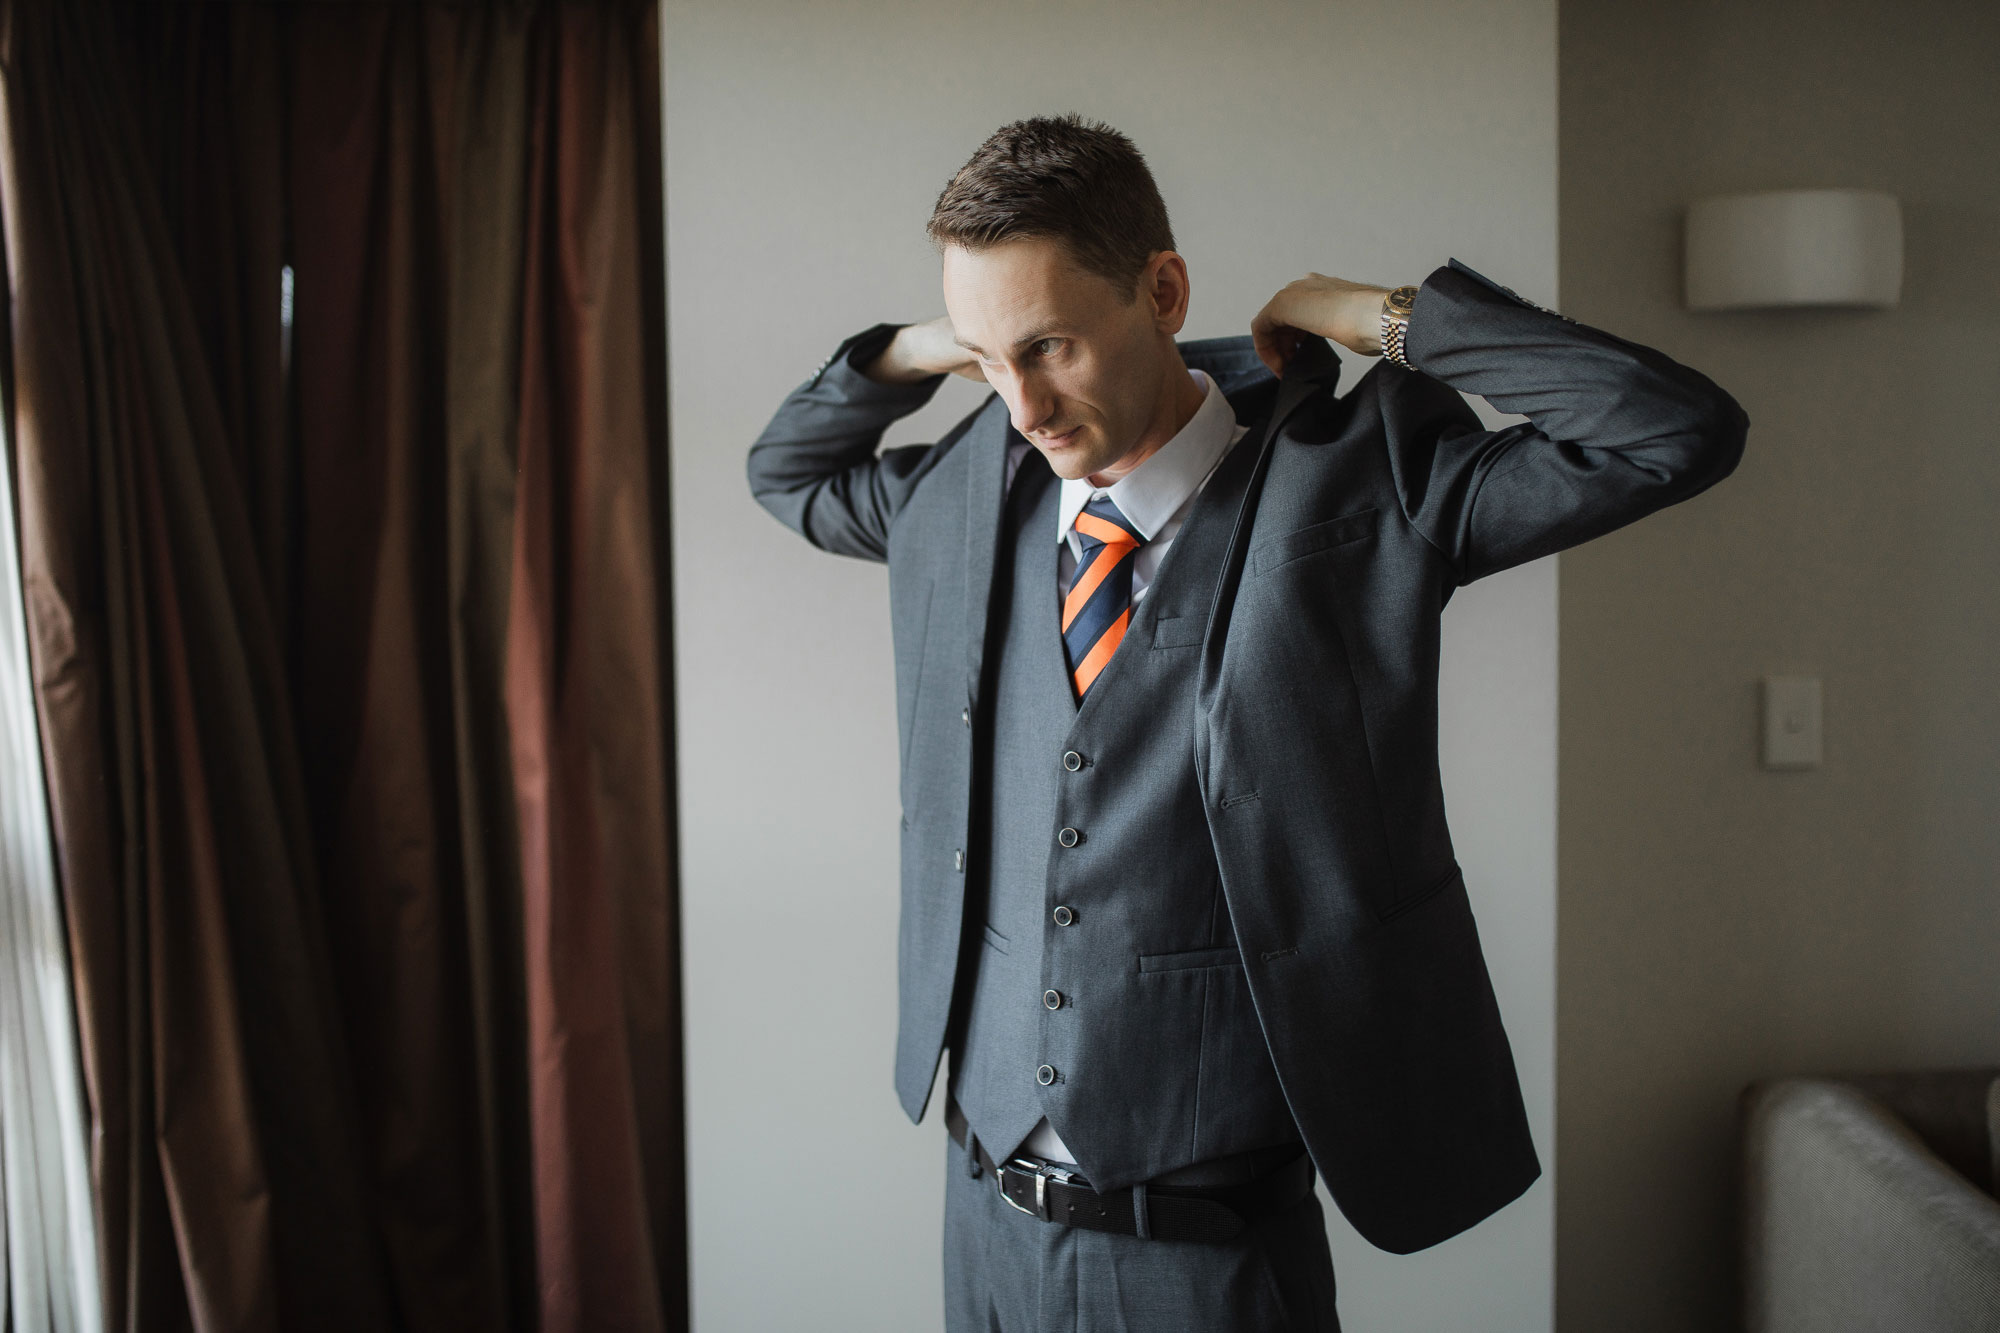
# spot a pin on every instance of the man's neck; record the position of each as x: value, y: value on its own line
x: 1176, y: 409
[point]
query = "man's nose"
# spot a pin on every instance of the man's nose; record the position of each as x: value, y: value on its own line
x: 1033, y: 405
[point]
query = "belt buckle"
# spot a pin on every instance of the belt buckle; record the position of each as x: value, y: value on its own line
x: 1043, y: 1172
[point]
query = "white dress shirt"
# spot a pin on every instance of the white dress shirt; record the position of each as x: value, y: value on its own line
x: 1156, y: 497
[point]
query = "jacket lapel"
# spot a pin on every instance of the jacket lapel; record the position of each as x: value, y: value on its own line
x: 1314, y: 367
x: 985, y: 482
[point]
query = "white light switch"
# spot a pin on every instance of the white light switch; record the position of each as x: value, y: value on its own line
x: 1791, y: 722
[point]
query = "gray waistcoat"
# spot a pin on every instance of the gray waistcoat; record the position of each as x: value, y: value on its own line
x: 1131, y: 1027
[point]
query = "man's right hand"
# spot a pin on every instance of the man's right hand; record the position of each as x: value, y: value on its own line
x: 919, y: 351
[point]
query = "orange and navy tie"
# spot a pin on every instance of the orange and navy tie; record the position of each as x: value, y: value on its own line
x: 1099, y: 603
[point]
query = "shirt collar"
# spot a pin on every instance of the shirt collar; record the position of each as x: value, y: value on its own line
x: 1154, y: 491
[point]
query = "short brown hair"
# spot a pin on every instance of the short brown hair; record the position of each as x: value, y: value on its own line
x: 1078, y: 181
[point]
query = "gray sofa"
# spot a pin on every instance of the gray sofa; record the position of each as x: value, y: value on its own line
x: 1869, y: 1202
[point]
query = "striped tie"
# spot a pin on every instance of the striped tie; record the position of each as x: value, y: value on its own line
x: 1099, y: 604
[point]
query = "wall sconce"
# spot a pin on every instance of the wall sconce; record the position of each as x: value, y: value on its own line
x: 1795, y: 248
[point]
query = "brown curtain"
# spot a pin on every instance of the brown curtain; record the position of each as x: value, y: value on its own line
x: 351, y: 650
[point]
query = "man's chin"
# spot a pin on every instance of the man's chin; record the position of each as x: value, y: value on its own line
x: 1071, y: 464
x: 1069, y: 469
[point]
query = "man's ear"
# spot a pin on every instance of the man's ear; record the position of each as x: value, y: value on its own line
x: 1164, y: 282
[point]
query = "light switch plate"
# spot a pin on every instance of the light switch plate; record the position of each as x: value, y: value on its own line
x: 1791, y: 722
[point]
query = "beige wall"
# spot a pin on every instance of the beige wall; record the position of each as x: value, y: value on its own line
x: 1720, y: 922
x: 805, y: 145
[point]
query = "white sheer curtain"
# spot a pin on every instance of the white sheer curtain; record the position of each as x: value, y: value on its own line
x: 45, y: 1206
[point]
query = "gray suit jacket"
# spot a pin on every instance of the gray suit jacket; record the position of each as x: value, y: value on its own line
x: 1316, y: 709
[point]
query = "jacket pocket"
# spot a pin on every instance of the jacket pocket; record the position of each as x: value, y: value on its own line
x: 1288, y: 546
x: 1179, y: 631
x: 1408, y: 901
x: 1227, y: 956
x: 995, y: 940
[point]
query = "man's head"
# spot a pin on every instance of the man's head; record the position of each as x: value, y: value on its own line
x: 1060, y: 275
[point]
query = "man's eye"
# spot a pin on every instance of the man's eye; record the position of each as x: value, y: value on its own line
x: 1047, y: 346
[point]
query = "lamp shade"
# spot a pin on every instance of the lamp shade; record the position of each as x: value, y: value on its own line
x: 1794, y: 248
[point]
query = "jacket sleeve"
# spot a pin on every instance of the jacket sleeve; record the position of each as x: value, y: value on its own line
x: 1615, y: 431
x: 816, y: 467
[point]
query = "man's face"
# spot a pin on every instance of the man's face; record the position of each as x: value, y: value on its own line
x: 1081, y: 372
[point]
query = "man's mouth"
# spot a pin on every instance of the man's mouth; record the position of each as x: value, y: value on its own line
x: 1058, y: 441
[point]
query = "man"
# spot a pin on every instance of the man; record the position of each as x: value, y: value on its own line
x: 1178, y: 891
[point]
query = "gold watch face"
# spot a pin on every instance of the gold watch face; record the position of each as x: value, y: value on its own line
x: 1401, y: 301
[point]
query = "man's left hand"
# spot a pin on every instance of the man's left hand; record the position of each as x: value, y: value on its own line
x: 1350, y: 313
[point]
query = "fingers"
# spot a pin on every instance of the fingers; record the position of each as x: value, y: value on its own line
x: 1272, y: 329
x: 1264, y: 337
x: 1268, y: 353
x: 1275, y: 345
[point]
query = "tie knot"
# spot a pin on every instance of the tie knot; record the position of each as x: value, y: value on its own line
x: 1100, y: 523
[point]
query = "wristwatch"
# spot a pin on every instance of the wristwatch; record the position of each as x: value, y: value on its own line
x: 1396, y: 308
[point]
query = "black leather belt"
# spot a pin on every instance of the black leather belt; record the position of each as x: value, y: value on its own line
x: 1054, y: 1193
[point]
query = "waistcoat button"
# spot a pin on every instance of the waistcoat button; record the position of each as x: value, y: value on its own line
x: 1064, y: 916
x: 1068, y: 837
x: 1045, y: 1075
x: 1052, y: 999
x: 1072, y: 760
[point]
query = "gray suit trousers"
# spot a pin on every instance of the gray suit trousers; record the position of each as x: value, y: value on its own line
x: 1007, y: 1272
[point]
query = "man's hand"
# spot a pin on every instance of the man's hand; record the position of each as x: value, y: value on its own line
x: 919, y: 351
x: 1350, y: 313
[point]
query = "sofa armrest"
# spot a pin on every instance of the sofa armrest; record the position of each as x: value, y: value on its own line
x: 1850, y: 1221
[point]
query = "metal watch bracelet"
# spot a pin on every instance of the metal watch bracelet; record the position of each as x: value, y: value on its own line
x: 1393, y: 331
